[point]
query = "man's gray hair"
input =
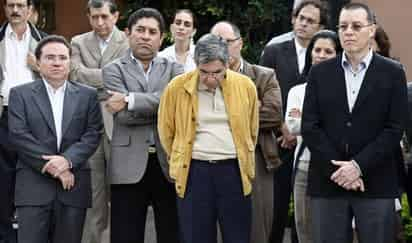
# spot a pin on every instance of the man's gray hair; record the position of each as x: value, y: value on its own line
x: 210, y: 48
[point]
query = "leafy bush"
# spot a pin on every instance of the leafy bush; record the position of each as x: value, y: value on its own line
x: 258, y: 20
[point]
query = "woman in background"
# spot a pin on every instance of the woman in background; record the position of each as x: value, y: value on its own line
x: 182, y: 29
x: 323, y: 46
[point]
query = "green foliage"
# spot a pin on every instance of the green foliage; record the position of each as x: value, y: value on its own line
x: 257, y: 19
x: 406, y: 219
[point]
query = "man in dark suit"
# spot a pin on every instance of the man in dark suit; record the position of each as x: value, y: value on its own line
x: 353, y: 119
x: 288, y: 60
x: 55, y: 125
x: 270, y: 118
x: 18, y: 38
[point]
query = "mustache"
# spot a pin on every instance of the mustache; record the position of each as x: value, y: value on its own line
x: 15, y: 15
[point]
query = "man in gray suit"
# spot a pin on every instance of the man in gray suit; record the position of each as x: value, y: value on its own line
x: 18, y: 38
x: 55, y: 125
x: 138, y: 169
x: 92, y: 51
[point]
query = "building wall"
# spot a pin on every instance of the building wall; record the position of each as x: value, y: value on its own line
x: 395, y: 18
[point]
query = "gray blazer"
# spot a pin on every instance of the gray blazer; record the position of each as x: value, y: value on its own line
x: 132, y: 129
x: 33, y: 134
x: 87, y: 63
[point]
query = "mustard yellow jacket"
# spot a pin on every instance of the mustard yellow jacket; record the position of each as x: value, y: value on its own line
x: 177, y: 124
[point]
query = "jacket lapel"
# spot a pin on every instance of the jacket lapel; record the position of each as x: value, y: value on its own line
x: 114, y: 44
x: 92, y: 44
x: 136, y: 72
x: 248, y: 71
x: 292, y: 59
x: 341, y: 85
x: 69, y: 105
x: 41, y: 98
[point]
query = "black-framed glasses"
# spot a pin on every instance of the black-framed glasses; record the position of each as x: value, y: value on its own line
x: 230, y: 41
x: 357, y: 27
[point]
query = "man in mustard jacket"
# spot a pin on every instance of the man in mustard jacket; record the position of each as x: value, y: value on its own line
x: 208, y: 125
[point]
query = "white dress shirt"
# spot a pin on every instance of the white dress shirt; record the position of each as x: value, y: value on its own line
x: 300, y: 54
x: 56, y: 98
x: 16, y: 71
x: 170, y: 54
x: 354, y: 78
x: 103, y: 43
x: 295, y: 101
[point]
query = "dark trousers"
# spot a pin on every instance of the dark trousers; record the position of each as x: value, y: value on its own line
x: 332, y: 219
x: 129, y: 203
x: 282, y: 194
x: 8, y: 158
x: 214, y: 194
x: 53, y: 223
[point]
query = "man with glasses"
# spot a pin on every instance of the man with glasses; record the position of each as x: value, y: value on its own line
x: 353, y: 120
x: 208, y: 125
x: 288, y: 60
x: 270, y: 118
x: 18, y: 39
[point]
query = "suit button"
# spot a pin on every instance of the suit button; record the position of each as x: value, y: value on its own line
x: 185, y: 166
x: 349, y: 124
x: 193, y: 119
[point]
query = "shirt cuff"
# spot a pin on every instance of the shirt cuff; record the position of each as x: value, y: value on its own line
x: 130, y: 102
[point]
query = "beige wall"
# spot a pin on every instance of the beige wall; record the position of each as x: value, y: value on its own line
x: 395, y: 17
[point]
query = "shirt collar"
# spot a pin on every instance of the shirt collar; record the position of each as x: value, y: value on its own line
x: 299, y: 48
x: 10, y: 32
x: 242, y: 65
x: 364, y: 64
x: 107, y: 40
x: 138, y: 62
x: 52, y: 90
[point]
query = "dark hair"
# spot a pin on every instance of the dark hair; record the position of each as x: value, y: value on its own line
x: 29, y: 2
x: 100, y: 4
x: 371, y: 17
x: 323, y: 10
x: 147, y: 13
x: 383, y: 42
x: 51, y: 39
x: 323, y: 34
x: 187, y: 11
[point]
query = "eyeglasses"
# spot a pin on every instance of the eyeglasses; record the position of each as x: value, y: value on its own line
x: 310, y: 21
x: 231, y: 41
x: 214, y: 74
x: 356, y: 27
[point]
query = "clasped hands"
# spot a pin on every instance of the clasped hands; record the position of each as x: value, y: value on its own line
x: 348, y: 176
x: 59, y: 167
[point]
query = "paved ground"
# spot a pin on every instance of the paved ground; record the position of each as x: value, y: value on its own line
x: 150, y: 236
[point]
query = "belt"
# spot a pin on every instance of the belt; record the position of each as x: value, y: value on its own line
x: 212, y: 161
x: 152, y: 149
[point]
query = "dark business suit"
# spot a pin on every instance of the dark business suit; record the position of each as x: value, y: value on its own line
x: 8, y: 155
x: 282, y: 57
x: 42, y: 204
x: 369, y: 135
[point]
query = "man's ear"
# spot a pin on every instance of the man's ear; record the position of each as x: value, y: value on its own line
x: 162, y: 38
x: 127, y: 31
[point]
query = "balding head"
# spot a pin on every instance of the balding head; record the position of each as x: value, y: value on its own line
x: 231, y: 34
